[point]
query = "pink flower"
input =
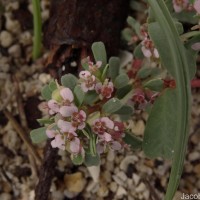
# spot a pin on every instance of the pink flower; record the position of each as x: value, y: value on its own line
x: 105, y: 90
x: 180, y: 5
x: 197, y: 6
x: 118, y: 130
x: 196, y: 46
x: 94, y: 67
x: 53, y: 107
x: 101, y: 125
x: 50, y: 133
x: 58, y: 142
x: 65, y: 126
x: 75, y: 145
x: 88, y: 81
x: 78, y: 118
x: 67, y: 95
x: 148, y: 49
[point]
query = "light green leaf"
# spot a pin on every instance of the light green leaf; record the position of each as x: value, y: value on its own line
x: 154, y: 85
x: 125, y: 110
x: 127, y: 34
x: 121, y: 81
x: 79, y: 95
x: 161, y: 127
x: 159, y: 39
x: 122, y: 92
x: 112, y: 106
x: 44, y: 121
x: 99, y: 52
x: 187, y: 17
x: 52, y: 85
x: 133, y: 141
x: 77, y: 159
x: 46, y: 93
x: 114, y: 66
x: 38, y: 135
x: 92, y: 160
x: 138, y: 52
x: 69, y: 81
x: 91, y: 97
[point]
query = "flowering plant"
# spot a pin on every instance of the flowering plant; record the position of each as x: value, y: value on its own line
x: 87, y: 114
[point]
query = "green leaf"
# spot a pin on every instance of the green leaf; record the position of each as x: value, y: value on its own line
x: 69, y: 81
x: 112, y: 106
x: 91, y: 97
x: 77, y: 159
x: 99, y: 52
x: 155, y: 85
x: 104, y: 73
x: 46, y: 93
x: 44, y: 121
x: 121, y: 81
x: 133, y: 141
x: 79, y: 95
x: 183, y: 97
x: 38, y: 135
x: 135, y: 25
x: 146, y: 72
x: 114, y: 67
x: 127, y: 34
x: 159, y: 39
x: 187, y: 17
x: 122, y: 92
x: 125, y: 110
x: 179, y: 27
x: 92, y: 160
x: 52, y: 85
x: 161, y: 127
x: 138, y: 52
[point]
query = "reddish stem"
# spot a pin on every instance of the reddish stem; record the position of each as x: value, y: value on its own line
x: 195, y: 83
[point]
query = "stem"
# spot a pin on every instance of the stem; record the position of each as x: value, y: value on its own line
x: 37, y: 21
x: 179, y: 59
x: 188, y: 35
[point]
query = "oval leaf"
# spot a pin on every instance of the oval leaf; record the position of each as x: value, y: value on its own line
x: 38, y: 135
x: 99, y: 52
x: 69, y: 81
x: 112, y: 106
x: 161, y: 127
x: 121, y: 81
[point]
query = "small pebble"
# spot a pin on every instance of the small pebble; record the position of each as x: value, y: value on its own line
x: 74, y: 183
x: 194, y: 156
x: 140, y: 188
x: 5, y: 196
x: 120, y: 192
x: 15, y: 51
x: 6, y: 38
x: 113, y: 186
x: 136, y: 179
x: 111, y: 156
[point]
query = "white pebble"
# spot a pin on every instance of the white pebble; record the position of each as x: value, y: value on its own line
x: 122, y: 176
x: 126, y: 161
x: 13, y: 25
x: 121, y: 192
x: 141, y: 187
x: 136, y: 178
x: 5, y: 196
x: 25, y: 38
x: 15, y: 51
x: 6, y: 39
x: 194, y: 156
x: 111, y: 156
x: 113, y: 186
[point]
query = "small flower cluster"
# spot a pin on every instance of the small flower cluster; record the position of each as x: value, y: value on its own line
x: 71, y: 121
x: 181, y: 5
x: 148, y: 49
x: 90, y: 80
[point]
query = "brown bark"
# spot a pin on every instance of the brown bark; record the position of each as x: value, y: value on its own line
x: 73, y: 26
